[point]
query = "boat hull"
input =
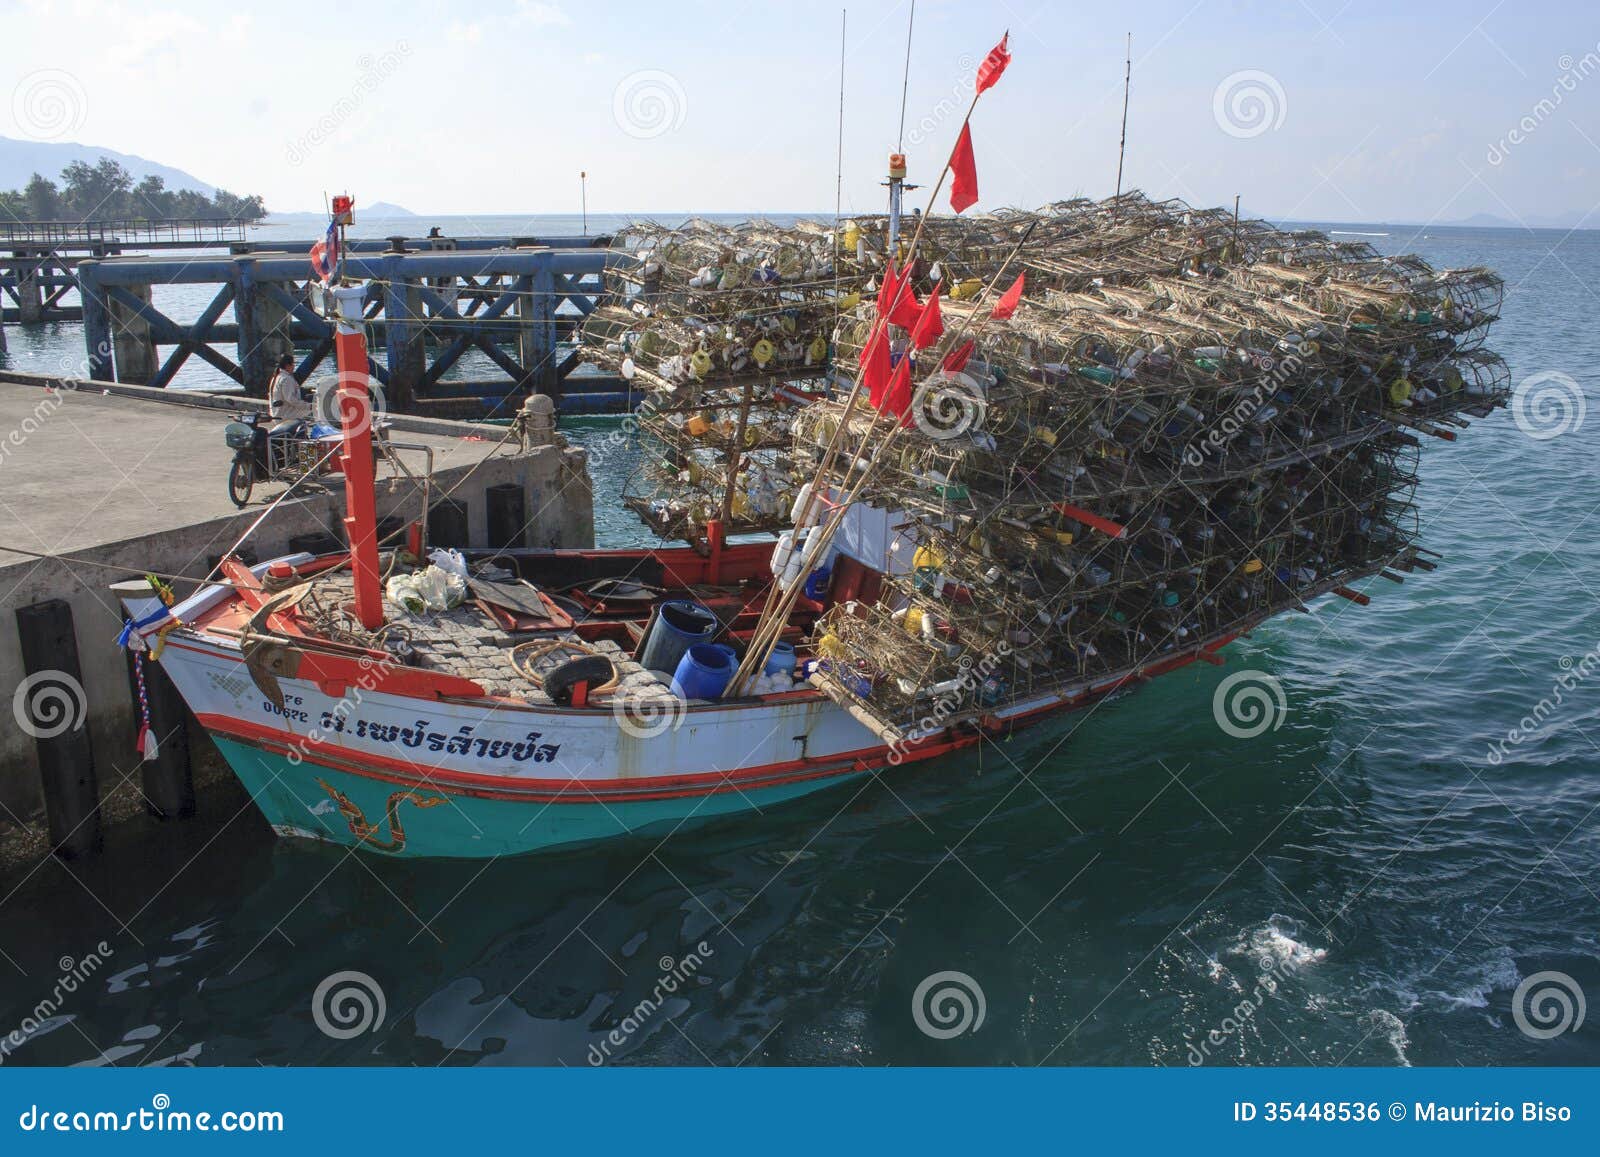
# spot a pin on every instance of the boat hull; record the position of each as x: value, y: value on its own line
x: 301, y: 799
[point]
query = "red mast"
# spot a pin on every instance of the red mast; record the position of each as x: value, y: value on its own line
x: 355, y: 420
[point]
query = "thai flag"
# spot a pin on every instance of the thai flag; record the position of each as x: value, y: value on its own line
x: 325, y: 255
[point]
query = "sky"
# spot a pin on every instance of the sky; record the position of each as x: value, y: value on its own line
x: 1307, y: 109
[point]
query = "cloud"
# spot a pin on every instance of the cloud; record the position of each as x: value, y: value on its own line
x: 541, y: 14
x: 459, y: 33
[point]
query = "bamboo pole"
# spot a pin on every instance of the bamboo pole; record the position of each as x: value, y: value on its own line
x: 775, y: 614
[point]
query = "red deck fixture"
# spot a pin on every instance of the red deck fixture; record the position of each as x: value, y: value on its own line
x: 356, y: 412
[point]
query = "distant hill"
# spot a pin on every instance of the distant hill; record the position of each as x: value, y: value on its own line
x: 383, y: 210
x: 19, y: 160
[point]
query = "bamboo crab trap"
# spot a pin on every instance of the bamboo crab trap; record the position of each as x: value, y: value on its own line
x: 1190, y: 424
x: 727, y: 330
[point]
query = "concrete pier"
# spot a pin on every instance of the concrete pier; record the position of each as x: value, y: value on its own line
x: 102, y: 476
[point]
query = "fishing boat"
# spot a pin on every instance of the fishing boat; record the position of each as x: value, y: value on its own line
x: 989, y: 513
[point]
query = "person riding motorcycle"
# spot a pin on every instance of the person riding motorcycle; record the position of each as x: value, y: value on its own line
x: 286, y: 402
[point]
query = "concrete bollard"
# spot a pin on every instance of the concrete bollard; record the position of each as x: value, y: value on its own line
x: 55, y: 711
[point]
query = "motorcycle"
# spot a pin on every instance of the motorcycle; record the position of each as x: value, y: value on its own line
x: 261, y: 456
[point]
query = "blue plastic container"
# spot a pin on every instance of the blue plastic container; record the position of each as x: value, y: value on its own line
x: 781, y: 661
x: 677, y: 627
x: 704, y: 672
x: 816, y: 588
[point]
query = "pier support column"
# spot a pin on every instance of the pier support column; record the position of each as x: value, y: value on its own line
x: 536, y: 335
x: 168, y: 780
x: 96, y: 322
x: 30, y: 294
x: 264, y: 329
x: 403, y: 340
x: 134, y: 350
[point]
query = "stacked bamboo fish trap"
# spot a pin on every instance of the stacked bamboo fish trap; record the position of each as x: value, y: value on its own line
x: 1190, y: 424
x: 726, y: 329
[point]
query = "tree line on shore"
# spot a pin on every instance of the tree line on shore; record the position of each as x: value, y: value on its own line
x: 105, y: 191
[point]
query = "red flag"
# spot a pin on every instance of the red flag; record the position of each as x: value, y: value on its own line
x: 875, y: 364
x: 888, y: 291
x: 1007, y: 305
x: 994, y: 64
x: 906, y: 309
x: 956, y: 360
x: 897, y: 398
x: 964, y: 185
x: 930, y: 323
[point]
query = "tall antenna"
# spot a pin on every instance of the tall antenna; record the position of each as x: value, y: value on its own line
x: 838, y: 187
x: 1127, y: 83
x: 583, y: 192
x: 905, y: 79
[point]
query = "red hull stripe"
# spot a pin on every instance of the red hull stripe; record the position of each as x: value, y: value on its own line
x: 405, y: 772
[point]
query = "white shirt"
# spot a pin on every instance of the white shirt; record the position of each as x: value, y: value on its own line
x: 284, y: 402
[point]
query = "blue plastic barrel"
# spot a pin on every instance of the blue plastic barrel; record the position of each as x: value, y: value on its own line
x: 703, y: 672
x: 781, y: 661
x: 677, y: 627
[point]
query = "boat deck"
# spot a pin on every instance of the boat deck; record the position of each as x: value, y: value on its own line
x: 468, y: 643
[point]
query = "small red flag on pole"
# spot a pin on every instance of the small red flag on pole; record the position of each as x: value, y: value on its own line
x: 994, y: 64
x: 875, y: 364
x: 897, y: 398
x: 1007, y: 305
x: 930, y: 324
x: 964, y: 172
x: 956, y: 360
x: 887, y: 291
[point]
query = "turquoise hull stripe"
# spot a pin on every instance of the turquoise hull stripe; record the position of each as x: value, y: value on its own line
x: 296, y: 799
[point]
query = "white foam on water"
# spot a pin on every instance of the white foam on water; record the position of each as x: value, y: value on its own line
x: 1497, y: 972
x: 1276, y: 946
x: 1391, y: 1029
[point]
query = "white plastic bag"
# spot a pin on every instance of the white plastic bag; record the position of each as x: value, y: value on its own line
x: 449, y: 561
x: 402, y: 591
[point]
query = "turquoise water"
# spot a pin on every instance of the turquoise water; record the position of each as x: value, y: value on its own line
x: 1363, y: 878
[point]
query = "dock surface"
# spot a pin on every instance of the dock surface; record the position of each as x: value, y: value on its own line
x: 79, y: 468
